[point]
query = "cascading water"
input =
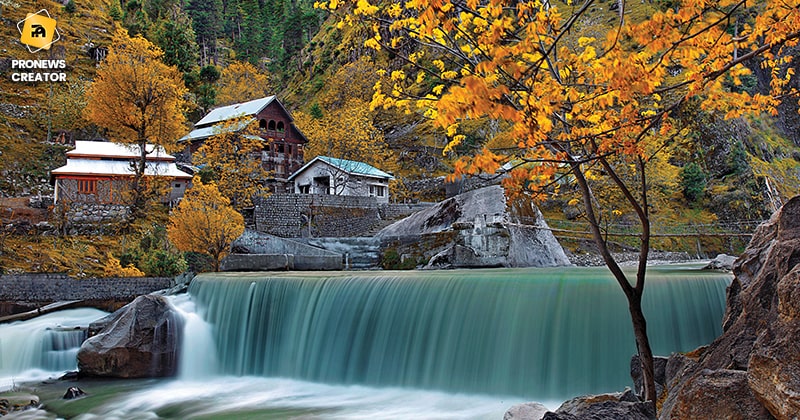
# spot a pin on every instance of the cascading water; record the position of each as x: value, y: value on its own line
x: 544, y: 334
x: 44, y: 345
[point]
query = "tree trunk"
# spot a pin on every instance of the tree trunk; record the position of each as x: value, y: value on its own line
x: 632, y: 294
x: 643, y: 346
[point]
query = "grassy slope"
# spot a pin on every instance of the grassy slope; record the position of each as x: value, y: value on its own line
x: 23, y: 118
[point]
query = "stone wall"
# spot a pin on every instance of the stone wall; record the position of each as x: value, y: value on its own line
x: 57, y: 287
x: 287, y: 215
x: 91, y: 218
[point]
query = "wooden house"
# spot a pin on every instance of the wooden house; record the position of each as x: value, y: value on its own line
x: 283, y: 142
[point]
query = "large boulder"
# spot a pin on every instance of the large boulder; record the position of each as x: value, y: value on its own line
x: 774, y: 366
x: 140, y: 340
x: 526, y: 411
x: 717, y: 394
x: 476, y: 229
x: 753, y: 369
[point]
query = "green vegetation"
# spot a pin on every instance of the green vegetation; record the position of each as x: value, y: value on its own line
x: 693, y: 181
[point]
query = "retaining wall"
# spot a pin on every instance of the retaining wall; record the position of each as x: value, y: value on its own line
x: 302, y: 215
x: 311, y: 215
x: 56, y: 287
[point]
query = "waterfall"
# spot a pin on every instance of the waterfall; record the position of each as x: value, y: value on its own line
x: 44, y: 345
x: 532, y: 333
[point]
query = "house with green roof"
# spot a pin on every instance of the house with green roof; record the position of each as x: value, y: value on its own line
x: 327, y: 175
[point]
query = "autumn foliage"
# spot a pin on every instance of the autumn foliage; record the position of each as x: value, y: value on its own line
x: 204, y: 222
x: 232, y: 159
x: 113, y: 268
x: 343, y: 126
x: 241, y: 81
x: 139, y: 100
x: 593, y: 110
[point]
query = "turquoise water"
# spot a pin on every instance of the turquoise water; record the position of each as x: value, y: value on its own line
x: 545, y: 333
x: 44, y: 346
x: 395, y: 345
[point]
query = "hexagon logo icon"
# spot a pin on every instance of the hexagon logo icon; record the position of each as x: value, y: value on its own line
x: 38, y: 31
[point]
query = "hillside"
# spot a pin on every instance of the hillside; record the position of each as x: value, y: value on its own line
x: 33, y: 114
x: 720, y: 177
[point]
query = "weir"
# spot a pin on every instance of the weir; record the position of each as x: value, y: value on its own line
x: 531, y: 333
x: 43, y: 345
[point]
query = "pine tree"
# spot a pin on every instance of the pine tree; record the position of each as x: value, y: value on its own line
x: 206, y: 20
x: 175, y: 36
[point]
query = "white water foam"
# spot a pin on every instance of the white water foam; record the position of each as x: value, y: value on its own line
x: 33, y: 350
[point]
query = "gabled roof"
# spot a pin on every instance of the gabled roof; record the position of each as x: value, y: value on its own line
x: 205, y: 132
x: 101, y: 149
x: 114, y: 168
x: 236, y: 110
x: 352, y: 167
x: 96, y: 158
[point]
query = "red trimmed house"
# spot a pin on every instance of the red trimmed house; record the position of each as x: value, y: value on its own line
x: 101, y: 173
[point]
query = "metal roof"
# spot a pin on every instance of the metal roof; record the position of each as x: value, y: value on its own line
x: 206, y: 132
x: 236, y: 110
x: 102, y: 149
x: 350, y: 166
x: 94, y: 167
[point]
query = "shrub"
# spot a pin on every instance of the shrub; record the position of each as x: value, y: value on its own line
x: 693, y: 181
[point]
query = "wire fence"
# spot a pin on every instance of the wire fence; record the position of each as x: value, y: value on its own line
x: 744, y: 228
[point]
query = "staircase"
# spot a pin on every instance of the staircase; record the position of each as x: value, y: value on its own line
x: 359, y: 253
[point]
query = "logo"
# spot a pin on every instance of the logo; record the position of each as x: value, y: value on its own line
x: 38, y: 31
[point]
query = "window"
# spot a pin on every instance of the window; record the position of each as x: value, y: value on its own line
x: 271, y: 125
x: 279, y: 147
x: 304, y: 189
x: 280, y: 126
x: 178, y: 185
x: 87, y: 186
x: 377, y: 190
x: 262, y: 124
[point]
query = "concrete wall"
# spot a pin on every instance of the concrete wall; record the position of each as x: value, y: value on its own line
x: 56, y: 287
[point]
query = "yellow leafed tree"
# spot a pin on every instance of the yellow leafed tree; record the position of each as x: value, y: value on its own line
x: 232, y: 159
x: 205, y: 222
x: 594, y: 110
x: 139, y: 100
x: 114, y: 268
x: 342, y: 125
x: 240, y: 82
x: 346, y: 132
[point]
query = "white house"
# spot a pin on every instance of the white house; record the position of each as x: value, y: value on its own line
x: 100, y: 172
x: 327, y: 175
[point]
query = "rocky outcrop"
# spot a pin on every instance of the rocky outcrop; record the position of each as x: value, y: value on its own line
x: 721, y: 394
x: 140, y: 340
x: 752, y: 371
x: 620, y: 406
x: 11, y: 402
x: 476, y: 229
